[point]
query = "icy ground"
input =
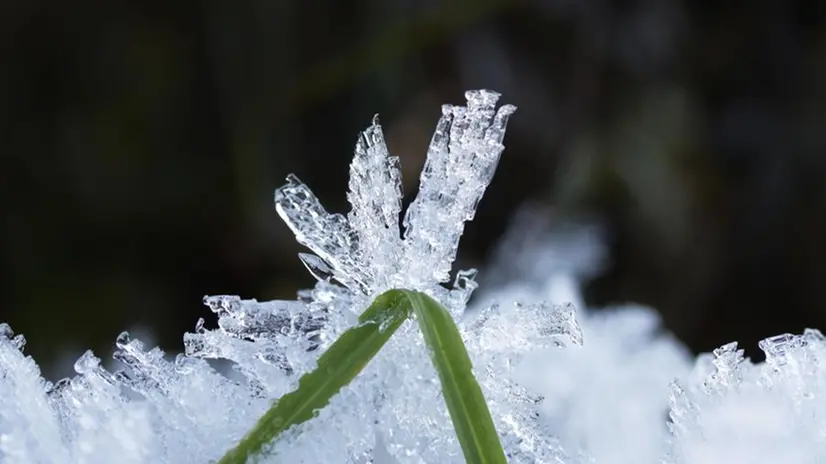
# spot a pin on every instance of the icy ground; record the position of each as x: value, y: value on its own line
x: 627, y: 394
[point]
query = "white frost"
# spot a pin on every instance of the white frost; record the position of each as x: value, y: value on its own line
x: 364, y: 250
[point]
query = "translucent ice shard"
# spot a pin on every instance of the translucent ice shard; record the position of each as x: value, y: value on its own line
x: 461, y: 160
x: 376, y: 198
x: 365, y: 251
x: 330, y: 236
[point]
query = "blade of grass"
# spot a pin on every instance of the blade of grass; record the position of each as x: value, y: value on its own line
x: 356, y: 347
x: 465, y: 401
x: 342, y: 361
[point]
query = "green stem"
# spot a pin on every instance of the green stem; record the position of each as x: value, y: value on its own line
x: 463, y: 396
x: 342, y: 361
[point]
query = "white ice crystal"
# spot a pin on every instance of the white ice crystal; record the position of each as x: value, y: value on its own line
x: 159, y: 409
x: 364, y: 251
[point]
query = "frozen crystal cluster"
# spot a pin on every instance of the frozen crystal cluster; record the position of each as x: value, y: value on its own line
x: 627, y: 395
x: 364, y: 250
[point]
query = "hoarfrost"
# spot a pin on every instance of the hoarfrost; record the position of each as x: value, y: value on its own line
x: 180, y: 409
x: 604, y: 399
x: 364, y: 250
x: 398, y: 396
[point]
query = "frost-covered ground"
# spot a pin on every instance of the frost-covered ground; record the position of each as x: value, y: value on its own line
x: 565, y: 384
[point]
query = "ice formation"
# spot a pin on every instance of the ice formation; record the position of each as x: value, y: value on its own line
x: 181, y: 410
x: 625, y: 396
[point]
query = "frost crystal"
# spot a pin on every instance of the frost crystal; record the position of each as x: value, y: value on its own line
x: 364, y: 251
x: 397, y: 401
x: 183, y: 409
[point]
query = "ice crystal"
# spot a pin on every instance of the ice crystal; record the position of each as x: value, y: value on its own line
x: 364, y: 250
x: 398, y: 397
x: 180, y: 409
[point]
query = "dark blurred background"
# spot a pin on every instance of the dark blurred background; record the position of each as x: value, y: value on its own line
x: 140, y: 143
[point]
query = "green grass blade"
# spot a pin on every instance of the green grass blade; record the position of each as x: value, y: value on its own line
x: 348, y: 355
x: 342, y: 361
x: 465, y: 401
